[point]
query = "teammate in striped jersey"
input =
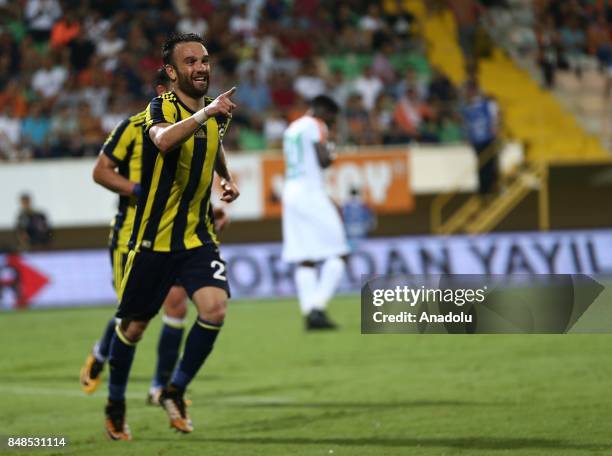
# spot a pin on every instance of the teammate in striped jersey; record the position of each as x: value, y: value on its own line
x: 173, y: 235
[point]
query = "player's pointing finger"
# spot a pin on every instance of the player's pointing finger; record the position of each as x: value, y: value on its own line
x: 230, y: 92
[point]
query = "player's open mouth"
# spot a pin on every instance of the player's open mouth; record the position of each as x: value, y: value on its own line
x: 201, y: 79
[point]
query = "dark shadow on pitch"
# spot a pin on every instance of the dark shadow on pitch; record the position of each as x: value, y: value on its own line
x: 466, y: 443
x: 367, y: 405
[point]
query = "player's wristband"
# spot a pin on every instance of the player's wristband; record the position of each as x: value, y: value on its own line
x: 200, y: 116
x: 136, y: 190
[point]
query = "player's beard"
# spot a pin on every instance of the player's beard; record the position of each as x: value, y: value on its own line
x: 188, y: 86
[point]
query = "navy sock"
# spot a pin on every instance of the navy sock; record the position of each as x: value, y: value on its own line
x: 198, y: 346
x: 120, y: 360
x: 103, y: 346
x: 167, y: 353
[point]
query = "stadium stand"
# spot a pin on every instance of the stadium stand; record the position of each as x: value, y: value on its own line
x: 69, y: 71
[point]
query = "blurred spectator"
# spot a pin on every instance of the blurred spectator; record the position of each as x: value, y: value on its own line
x: 275, y: 125
x: 192, y: 23
x: 91, y: 132
x: 368, y: 85
x: 13, y: 97
x: 440, y: 87
x: 340, y: 88
x: 548, y: 50
x: 253, y: 96
x: 282, y: 93
x: 414, y: 79
x: 64, y: 133
x: 359, y: 129
x: 81, y: 50
x: 40, y: 16
x: 359, y: 220
x: 49, y: 79
x: 35, y: 131
x: 467, y: 13
x: 372, y: 22
x: 381, y: 119
x: 410, y: 112
x: 308, y: 84
x: 481, y: 117
x: 64, y: 31
x: 32, y: 228
x: 381, y: 65
x: 109, y: 48
x: 573, y: 45
x: 241, y: 24
x: 10, y: 134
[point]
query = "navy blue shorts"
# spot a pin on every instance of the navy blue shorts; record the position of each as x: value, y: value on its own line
x: 150, y: 275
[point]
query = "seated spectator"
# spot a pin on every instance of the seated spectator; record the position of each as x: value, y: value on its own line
x: 192, y: 23
x: 40, y: 16
x: 410, y: 112
x: 109, y: 48
x: 368, y: 86
x: 14, y: 96
x: 10, y: 134
x: 372, y: 21
x: 282, y: 93
x: 359, y: 129
x: 413, y: 79
x: 81, y: 51
x: 253, y: 96
x: 274, y: 127
x: 35, y: 131
x: 381, y: 65
x: 441, y: 88
x: 64, y: 31
x: 340, y: 88
x: 91, y: 132
x: 64, y: 133
x: 381, y: 118
x: 573, y: 45
x: 309, y: 83
x: 241, y: 23
x: 48, y: 80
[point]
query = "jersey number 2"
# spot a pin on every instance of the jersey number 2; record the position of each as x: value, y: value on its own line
x: 219, y: 268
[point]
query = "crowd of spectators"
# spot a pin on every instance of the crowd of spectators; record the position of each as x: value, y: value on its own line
x: 70, y: 70
x: 566, y: 35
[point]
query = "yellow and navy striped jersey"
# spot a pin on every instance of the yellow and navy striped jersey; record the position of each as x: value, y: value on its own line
x: 124, y: 147
x: 174, y: 211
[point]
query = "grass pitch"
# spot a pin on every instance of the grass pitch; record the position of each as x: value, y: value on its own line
x: 271, y: 389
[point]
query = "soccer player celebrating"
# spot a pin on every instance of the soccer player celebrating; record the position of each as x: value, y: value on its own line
x: 118, y: 169
x: 312, y: 228
x: 173, y: 235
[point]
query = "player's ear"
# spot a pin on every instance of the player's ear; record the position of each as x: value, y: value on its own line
x: 171, y: 72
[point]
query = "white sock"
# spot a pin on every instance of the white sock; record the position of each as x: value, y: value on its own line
x: 331, y: 274
x: 305, y: 283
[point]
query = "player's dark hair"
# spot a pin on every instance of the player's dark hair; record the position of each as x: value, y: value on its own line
x: 175, y: 39
x: 161, y: 78
x: 323, y: 102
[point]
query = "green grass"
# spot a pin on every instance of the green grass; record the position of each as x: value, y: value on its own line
x: 271, y: 389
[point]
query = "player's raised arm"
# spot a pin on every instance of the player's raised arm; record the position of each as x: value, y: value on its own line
x: 167, y: 136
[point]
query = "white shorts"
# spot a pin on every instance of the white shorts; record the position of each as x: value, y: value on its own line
x: 312, y: 228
